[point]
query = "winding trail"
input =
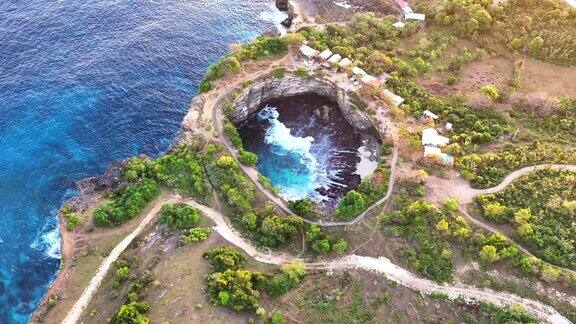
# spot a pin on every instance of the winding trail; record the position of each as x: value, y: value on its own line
x: 380, y: 265
x: 252, y: 173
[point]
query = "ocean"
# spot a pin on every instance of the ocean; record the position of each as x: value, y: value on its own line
x: 84, y: 84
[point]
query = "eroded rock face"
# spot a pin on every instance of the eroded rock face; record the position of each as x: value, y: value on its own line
x: 282, y: 5
x: 269, y: 88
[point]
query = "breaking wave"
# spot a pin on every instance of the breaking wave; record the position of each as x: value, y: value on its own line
x: 295, y: 165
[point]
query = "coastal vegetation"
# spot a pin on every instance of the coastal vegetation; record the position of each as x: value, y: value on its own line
x: 541, y: 207
x: 231, y: 285
x: 72, y: 218
x: 262, y: 47
x: 126, y: 204
x: 540, y: 29
x: 489, y: 169
x: 181, y: 216
x: 322, y: 242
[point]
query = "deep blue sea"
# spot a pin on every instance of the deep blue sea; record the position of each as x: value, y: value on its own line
x: 85, y: 83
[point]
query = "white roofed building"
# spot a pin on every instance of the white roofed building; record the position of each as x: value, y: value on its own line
x: 399, y: 24
x: 308, y: 51
x: 396, y: 99
x: 346, y: 62
x: 359, y: 72
x: 428, y: 113
x: 325, y: 55
x: 368, y: 79
x: 431, y: 137
x: 335, y: 59
x: 415, y: 16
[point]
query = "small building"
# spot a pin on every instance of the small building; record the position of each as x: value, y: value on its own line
x: 430, y: 137
x: 415, y: 16
x: 335, y: 59
x: 429, y: 114
x: 449, y: 126
x: 346, y: 62
x: 399, y: 24
x: 325, y: 55
x: 308, y: 51
x: 435, y: 152
x: 358, y: 72
x: 396, y: 99
x: 368, y: 79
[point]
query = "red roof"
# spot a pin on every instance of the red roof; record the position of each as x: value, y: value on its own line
x: 402, y: 3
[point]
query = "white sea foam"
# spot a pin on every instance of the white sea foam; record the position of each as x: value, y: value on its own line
x: 279, y: 135
x: 275, y: 16
x: 49, y: 243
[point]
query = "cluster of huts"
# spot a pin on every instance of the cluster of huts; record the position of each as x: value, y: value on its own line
x: 328, y: 59
x: 433, y: 141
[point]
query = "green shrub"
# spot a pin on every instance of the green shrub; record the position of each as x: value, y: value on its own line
x: 322, y: 242
x: 233, y: 135
x: 248, y: 158
x: 304, y: 207
x: 180, y: 169
x: 491, y: 91
x: 277, y: 230
x: 291, y: 275
x: 223, y: 258
x: 279, y: 73
x: 235, y: 289
x: 181, y: 216
x: 350, y: 206
x: 541, y: 206
x: 302, y: 73
x: 451, y: 80
x: 276, y: 318
x: 120, y: 276
x: 131, y: 313
x: 196, y: 234
x: 489, y: 169
x: 126, y: 204
x: 498, y: 314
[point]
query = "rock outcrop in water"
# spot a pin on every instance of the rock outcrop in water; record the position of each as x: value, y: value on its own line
x: 269, y: 88
x: 282, y: 5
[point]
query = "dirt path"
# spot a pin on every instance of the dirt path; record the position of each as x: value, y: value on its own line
x: 381, y: 265
x: 76, y: 312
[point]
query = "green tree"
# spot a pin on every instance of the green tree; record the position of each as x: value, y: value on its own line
x: 227, y: 162
x: 277, y: 230
x: 489, y: 254
x: 235, y: 289
x: 181, y: 216
x: 304, y: 207
x: 536, y: 44
x: 132, y: 313
x: 495, y: 211
x: 233, y: 135
x: 223, y: 258
x: 248, y: 158
x: 350, y: 206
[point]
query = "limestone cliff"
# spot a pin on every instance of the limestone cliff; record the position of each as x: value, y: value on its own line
x: 265, y: 89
